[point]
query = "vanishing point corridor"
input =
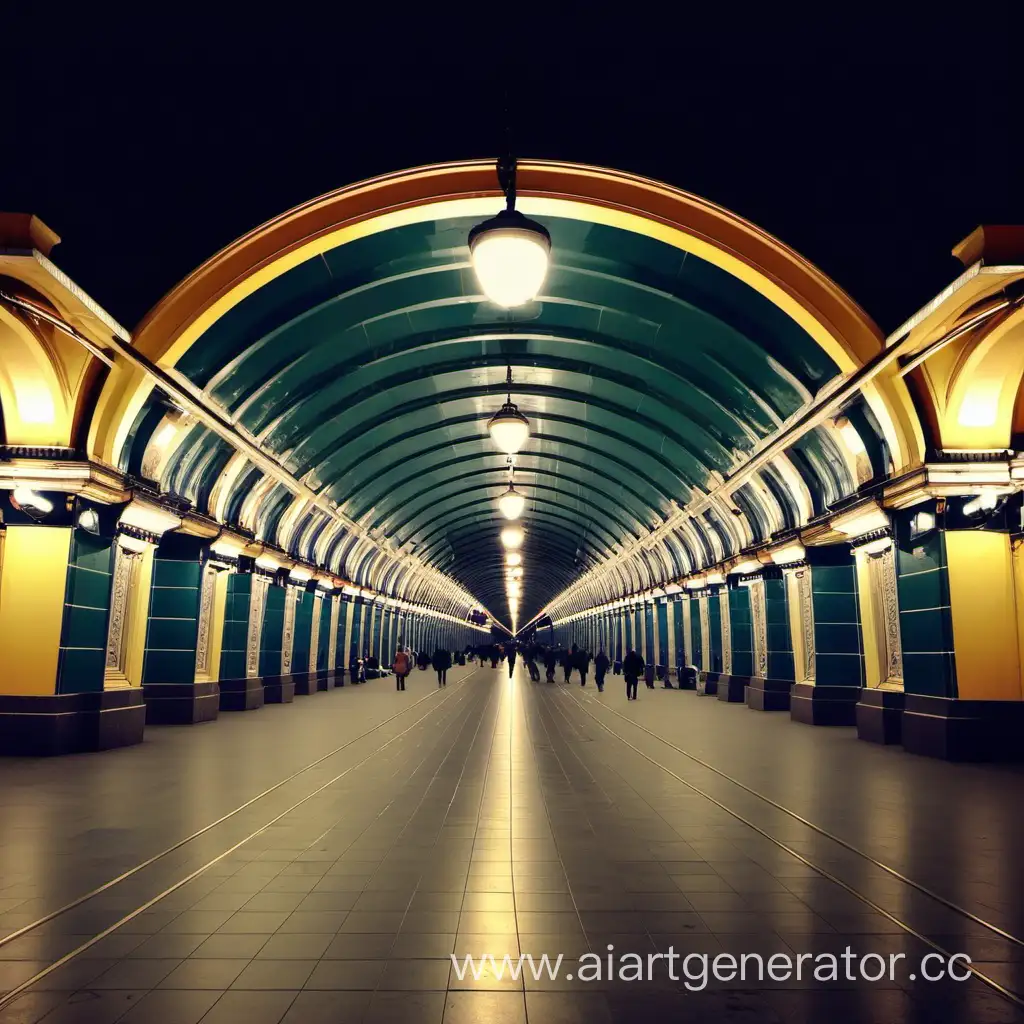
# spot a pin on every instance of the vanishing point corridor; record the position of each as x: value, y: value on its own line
x: 321, y: 861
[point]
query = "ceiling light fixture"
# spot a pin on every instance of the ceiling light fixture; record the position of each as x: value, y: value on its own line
x: 512, y: 537
x: 508, y: 427
x: 511, y: 503
x: 510, y: 253
x: 513, y: 558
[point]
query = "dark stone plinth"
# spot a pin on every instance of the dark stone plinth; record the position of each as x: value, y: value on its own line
x: 963, y: 730
x: 880, y: 715
x: 181, y: 703
x: 820, y: 704
x: 278, y: 689
x: 71, y: 723
x: 768, y: 694
x: 241, y: 694
x: 710, y: 680
x: 732, y: 688
x: 309, y: 682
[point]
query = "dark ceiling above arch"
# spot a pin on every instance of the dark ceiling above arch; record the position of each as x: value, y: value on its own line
x: 372, y: 370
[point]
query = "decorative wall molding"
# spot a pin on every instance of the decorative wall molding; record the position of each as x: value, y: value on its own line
x: 127, y: 565
x: 291, y: 599
x: 705, y: 632
x: 314, y: 633
x: 257, y: 605
x: 759, y: 627
x: 725, y: 617
x: 885, y: 600
x: 805, y: 598
x: 206, y: 594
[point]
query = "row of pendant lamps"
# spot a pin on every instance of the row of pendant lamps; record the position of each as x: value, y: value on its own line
x: 510, y: 255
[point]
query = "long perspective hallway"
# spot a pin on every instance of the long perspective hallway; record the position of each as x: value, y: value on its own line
x: 322, y: 861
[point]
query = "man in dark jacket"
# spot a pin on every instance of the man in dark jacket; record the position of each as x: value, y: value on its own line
x: 568, y: 657
x: 632, y: 669
x: 550, y: 663
x: 442, y: 661
x: 601, y: 664
x: 583, y: 664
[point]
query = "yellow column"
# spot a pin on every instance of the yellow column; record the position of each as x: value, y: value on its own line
x: 986, y: 589
x: 33, y: 579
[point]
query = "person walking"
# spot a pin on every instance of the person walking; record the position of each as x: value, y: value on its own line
x: 510, y: 651
x: 601, y: 664
x: 494, y: 655
x: 550, y: 663
x: 442, y: 661
x: 401, y: 666
x: 632, y: 669
x: 566, y: 659
x: 583, y: 664
x: 532, y: 650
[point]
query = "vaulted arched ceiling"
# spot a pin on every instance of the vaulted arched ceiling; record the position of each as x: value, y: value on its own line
x: 363, y: 356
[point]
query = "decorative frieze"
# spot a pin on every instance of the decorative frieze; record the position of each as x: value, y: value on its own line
x: 885, y: 600
x: 725, y: 618
x: 805, y: 605
x: 127, y: 565
x: 759, y: 627
x: 257, y: 606
x: 314, y: 634
x: 206, y: 594
x: 291, y: 598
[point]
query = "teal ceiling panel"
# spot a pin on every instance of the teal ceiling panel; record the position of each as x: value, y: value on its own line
x: 371, y: 371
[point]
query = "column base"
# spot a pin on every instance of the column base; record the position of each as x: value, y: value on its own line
x: 817, y: 704
x: 241, y: 694
x: 71, y: 723
x: 309, y: 682
x: 336, y: 677
x: 278, y: 689
x: 687, y: 678
x: 768, y: 694
x: 181, y: 703
x: 707, y: 683
x: 880, y: 715
x: 963, y: 730
x: 732, y: 688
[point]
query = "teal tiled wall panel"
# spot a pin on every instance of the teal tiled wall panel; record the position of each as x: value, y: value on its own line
x: 173, y: 625
x: 741, y: 629
x: 80, y: 661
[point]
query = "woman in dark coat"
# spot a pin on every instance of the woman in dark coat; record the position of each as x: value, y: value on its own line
x: 442, y: 661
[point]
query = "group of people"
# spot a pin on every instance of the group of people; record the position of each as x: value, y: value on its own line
x: 573, y: 659
x: 441, y: 660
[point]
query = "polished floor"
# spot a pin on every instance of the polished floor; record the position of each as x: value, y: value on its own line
x: 321, y: 861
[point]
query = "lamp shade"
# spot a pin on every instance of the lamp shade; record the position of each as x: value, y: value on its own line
x: 511, y: 503
x: 510, y: 255
x: 509, y: 428
x: 512, y: 537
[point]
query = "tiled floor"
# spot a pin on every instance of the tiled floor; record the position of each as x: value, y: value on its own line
x: 500, y: 817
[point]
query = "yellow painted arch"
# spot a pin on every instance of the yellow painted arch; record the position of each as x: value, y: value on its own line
x: 468, y: 189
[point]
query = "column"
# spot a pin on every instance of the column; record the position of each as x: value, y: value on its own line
x: 321, y: 646
x: 55, y: 592
x: 301, y: 638
x: 184, y: 606
x: 707, y: 679
x: 241, y: 688
x: 737, y: 643
x: 336, y: 646
x: 774, y: 666
x: 663, y: 639
x: 830, y: 697
x: 275, y: 642
x: 951, y: 654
